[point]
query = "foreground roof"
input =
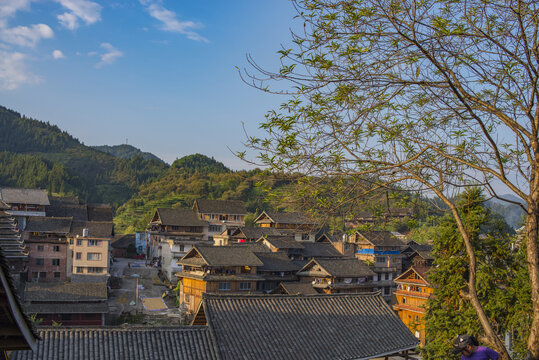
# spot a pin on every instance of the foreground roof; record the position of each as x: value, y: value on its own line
x: 65, y: 292
x: 344, y: 326
x: 171, y: 343
x: 24, y: 196
x: 232, y: 207
x: 58, y: 225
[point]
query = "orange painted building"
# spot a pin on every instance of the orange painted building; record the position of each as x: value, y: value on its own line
x: 413, y: 291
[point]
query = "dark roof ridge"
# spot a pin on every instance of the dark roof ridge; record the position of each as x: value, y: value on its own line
x: 256, y: 296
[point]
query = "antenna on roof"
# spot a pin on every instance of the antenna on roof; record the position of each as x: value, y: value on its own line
x: 126, y: 141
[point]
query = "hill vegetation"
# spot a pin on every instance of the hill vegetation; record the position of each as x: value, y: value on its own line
x: 126, y: 151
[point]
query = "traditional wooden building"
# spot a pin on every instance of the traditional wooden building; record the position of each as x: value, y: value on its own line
x: 242, y: 234
x: 417, y: 255
x: 46, y: 238
x: 173, y: 233
x: 276, y: 268
x: 295, y: 288
x: 69, y: 304
x: 369, y: 217
x: 24, y: 203
x: 11, y: 242
x: 383, y: 252
x: 412, y: 294
x: 335, y: 276
x: 300, y: 225
x: 290, y: 327
x: 217, y: 269
x: 286, y: 244
x: 220, y: 214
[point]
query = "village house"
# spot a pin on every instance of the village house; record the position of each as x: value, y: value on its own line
x: 368, y: 217
x: 276, y: 268
x: 11, y: 242
x: 24, y: 203
x: 301, y: 226
x: 335, y: 276
x: 69, y: 304
x: 217, y: 269
x: 417, y: 255
x: 286, y: 244
x: 295, y: 288
x: 242, y: 234
x: 412, y: 294
x: 173, y: 233
x: 220, y: 214
x: 382, y: 251
x: 46, y: 238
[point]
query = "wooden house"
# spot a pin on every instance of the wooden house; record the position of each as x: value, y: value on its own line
x: 276, y: 268
x: 417, y: 255
x: 24, y: 203
x: 242, y: 234
x: 334, y: 276
x: 11, y: 242
x: 412, y: 294
x: 300, y: 225
x: 217, y: 269
x: 220, y: 214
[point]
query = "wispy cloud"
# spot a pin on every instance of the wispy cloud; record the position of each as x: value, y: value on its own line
x: 26, y: 36
x: 10, y: 7
x: 110, y: 56
x: 87, y: 11
x: 13, y: 72
x: 169, y: 20
x: 57, y: 54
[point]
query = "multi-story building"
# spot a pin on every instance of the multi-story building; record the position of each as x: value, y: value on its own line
x: 217, y: 269
x: 220, y: 214
x: 301, y: 226
x: 276, y: 268
x: 382, y: 251
x: 24, y: 203
x: 412, y: 294
x: 334, y: 276
x: 417, y: 255
x: 241, y: 234
x: 173, y: 233
x: 46, y: 238
x: 11, y: 243
x: 89, y: 244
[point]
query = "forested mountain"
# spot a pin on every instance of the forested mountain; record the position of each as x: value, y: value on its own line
x: 37, y: 154
x: 126, y: 151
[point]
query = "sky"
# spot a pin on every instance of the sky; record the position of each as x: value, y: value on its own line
x: 160, y: 75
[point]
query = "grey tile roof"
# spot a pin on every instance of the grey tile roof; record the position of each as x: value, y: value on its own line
x: 61, y: 225
x: 423, y: 250
x: 221, y: 256
x: 99, y: 212
x: 4, y: 206
x: 255, y: 233
x: 339, y: 267
x: 344, y: 326
x: 150, y: 343
x: 231, y: 207
x: 63, y: 308
x: 311, y: 250
x: 76, y: 211
x: 380, y: 238
x: 123, y: 241
x: 276, y: 261
x: 295, y: 218
x: 65, y: 292
x: 282, y: 242
x: 179, y: 217
x: 298, y: 288
x: 24, y: 196
x: 99, y: 229
x: 10, y: 240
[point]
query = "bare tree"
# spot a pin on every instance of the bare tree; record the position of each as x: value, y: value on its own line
x: 431, y: 95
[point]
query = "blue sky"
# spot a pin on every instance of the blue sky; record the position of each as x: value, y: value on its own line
x: 160, y: 74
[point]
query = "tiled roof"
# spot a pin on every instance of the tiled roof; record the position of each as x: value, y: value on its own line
x: 381, y: 238
x: 311, y: 250
x: 63, y: 308
x: 231, y: 207
x: 10, y: 240
x: 276, y: 261
x: 256, y: 233
x: 99, y: 212
x: 4, y: 206
x: 282, y: 327
x: 179, y: 217
x: 296, y: 218
x: 78, y: 212
x: 222, y: 256
x: 24, y: 196
x: 347, y: 268
x: 298, y: 288
x: 424, y: 250
x: 65, y: 292
x: 149, y: 343
x: 99, y: 229
x: 282, y: 242
x: 122, y: 241
x: 60, y: 225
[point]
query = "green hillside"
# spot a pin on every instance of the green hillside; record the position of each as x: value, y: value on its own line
x: 126, y: 151
x: 37, y: 154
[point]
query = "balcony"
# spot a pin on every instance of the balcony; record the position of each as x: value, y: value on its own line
x: 416, y: 294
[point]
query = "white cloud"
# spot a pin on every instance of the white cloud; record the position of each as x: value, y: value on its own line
x: 10, y: 7
x: 170, y: 22
x: 57, y: 54
x: 26, y: 36
x: 110, y: 56
x: 87, y: 11
x: 13, y: 71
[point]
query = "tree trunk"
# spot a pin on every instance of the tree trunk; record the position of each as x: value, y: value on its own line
x: 532, y: 256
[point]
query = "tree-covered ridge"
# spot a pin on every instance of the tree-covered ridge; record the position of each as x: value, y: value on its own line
x: 200, y: 163
x: 126, y: 151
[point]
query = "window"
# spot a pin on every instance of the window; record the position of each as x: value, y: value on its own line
x: 404, y: 300
x: 79, y: 242
x: 56, y: 274
x: 245, y: 286
x: 70, y: 241
x: 42, y: 275
x: 305, y: 237
x: 78, y: 256
x: 182, y: 247
x: 215, y: 228
x: 382, y: 277
x: 380, y: 259
x: 40, y: 248
x: 56, y: 262
x: 79, y: 270
x: 387, y: 290
x: 94, y: 242
x: 95, y: 270
x: 93, y: 256
x: 56, y: 248
x: 39, y: 261
x: 224, y: 286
